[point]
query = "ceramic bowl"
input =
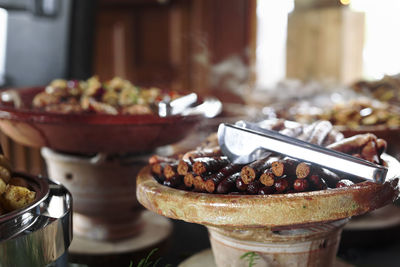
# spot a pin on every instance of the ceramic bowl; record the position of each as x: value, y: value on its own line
x: 90, y: 133
x: 298, y: 229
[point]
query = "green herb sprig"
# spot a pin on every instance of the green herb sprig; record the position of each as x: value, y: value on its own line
x: 145, y: 262
x: 251, y: 257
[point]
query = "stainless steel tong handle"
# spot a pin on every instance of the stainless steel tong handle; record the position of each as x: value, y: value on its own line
x: 240, y: 143
x: 176, y: 106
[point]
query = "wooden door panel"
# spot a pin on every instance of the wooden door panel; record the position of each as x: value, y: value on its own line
x: 174, y: 44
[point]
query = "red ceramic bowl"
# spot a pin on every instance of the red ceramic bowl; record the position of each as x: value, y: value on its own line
x: 90, y: 133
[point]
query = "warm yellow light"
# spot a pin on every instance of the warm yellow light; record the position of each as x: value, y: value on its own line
x: 345, y: 2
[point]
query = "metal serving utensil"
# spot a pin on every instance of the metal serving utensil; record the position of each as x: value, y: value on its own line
x: 11, y: 96
x: 210, y: 108
x: 242, y: 143
x: 176, y: 106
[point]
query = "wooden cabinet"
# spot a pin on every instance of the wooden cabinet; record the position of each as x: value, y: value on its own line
x: 206, y: 46
x: 178, y: 44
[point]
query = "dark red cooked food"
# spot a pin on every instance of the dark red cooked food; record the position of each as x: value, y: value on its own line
x: 212, y: 181
x: 267, y: 178
x: 344, y: 183
x: 170, y: 170
x: 199, y: 184
x: 286, y: 166
x: 281, y: 185
x: 228, y: 184
x: 184, y: 166
x: 300, y: 185
x: 266, y: 190
x: 240, y: 185
x: 329, y: 177
x: 316, y: 183
x: 174, y: 181
x: 205, y: 165
x: 253, y: 187
x: 303, y: 170
x: 188, y: 179
x: 252, y: 171
x: 271, y: 174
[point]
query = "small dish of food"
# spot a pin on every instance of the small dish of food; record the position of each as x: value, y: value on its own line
x: 89, y: 116
x: 356, y: 116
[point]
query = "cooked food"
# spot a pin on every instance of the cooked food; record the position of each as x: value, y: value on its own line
x: 3, y: 186
x: 271, y: 173
x: 362, y: 112
x: 352, y: 114
x: 386, y: 89
x: 14, y: 191
x: 5, y: 176
x: 16, y: 197
x: 116, y: 96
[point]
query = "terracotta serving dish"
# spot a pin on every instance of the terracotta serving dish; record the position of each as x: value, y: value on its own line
x: 272, y: 210
x: 90, y: 133
x: 301, y: 229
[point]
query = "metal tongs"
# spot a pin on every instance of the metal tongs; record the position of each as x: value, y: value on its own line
x: 242, y: 144
x: 172, y: 107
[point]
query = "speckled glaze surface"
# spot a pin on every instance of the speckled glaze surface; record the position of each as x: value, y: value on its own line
x: 276, y: 211
x: 90, y: 133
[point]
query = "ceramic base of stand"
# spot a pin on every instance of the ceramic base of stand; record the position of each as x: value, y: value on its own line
x: 101, y: 228
x: 206, y: 258
x: 311, y: 245
x: 103, y: 189
x: 155, y: 232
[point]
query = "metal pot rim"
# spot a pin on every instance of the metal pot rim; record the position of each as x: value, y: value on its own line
x: 39, y: 185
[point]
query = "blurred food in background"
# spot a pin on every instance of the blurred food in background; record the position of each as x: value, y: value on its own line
x: 386, y: 89
x: 354, y: 113
x: 115, y: 96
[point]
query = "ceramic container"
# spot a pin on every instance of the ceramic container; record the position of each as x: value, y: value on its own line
x: 88, y: 133
x: 105, y: 204
x: 298, y: 229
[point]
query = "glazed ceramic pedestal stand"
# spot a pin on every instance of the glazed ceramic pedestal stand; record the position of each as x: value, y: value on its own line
x: 107, y: 217
x: 301, y: 229
x: 206, y: 258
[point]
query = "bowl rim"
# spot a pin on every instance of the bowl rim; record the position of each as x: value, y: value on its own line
x: 43, y: 117
x: 277, y: 210
x: 41, y: 188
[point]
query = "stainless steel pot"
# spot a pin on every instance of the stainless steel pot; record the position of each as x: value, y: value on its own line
x: 41, y: 232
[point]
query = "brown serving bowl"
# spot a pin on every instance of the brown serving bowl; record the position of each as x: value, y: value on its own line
x: 90, y: 133
x: 297, y: 229
x: 272, y: 210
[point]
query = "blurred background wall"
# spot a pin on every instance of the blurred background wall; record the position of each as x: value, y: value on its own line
x: 236, y: 50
